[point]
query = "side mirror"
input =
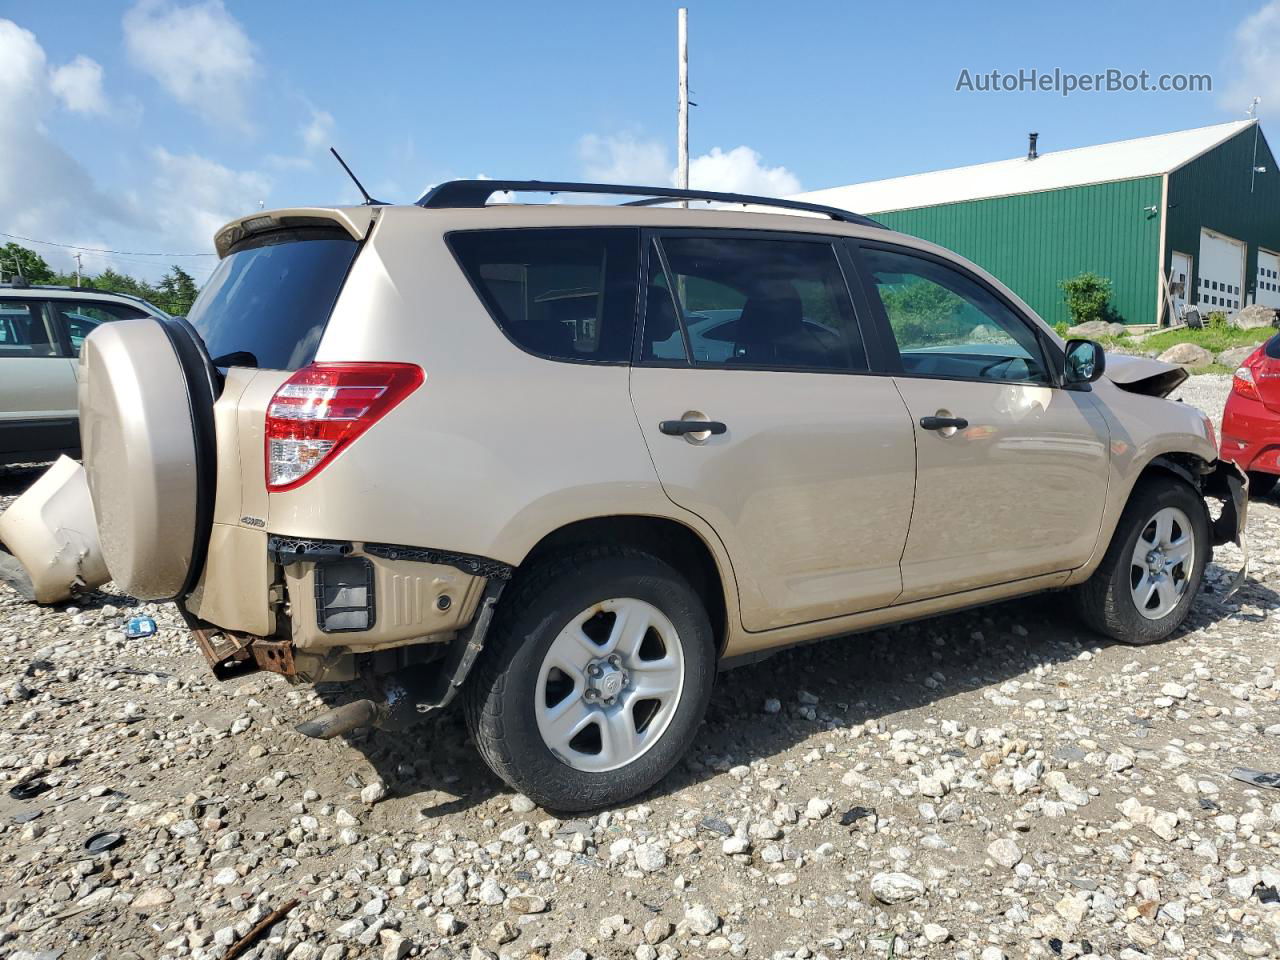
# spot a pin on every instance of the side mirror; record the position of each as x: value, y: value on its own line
x: 1085, y: 362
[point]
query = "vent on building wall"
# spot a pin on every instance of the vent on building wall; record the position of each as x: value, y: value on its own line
x: 1031, y: 145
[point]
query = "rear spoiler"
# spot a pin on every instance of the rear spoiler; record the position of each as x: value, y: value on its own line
x: 354, y: 220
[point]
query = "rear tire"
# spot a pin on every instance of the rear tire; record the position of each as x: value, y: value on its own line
x: 1151, y: 573
x: 568, y: 706
x: 1261, y: 484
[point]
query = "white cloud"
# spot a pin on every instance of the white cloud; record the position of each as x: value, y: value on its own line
x: 176, y: 202
x: 626, y: 159
x: 43, y: 189
x: 1252, y: 71
x: 78, y: 85
x: 199, y: 53
x: 191, y: 196
x: 740, y: 170
x: 317, y: 133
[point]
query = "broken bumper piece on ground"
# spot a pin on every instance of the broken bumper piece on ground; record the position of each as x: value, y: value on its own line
x: 51, y: 538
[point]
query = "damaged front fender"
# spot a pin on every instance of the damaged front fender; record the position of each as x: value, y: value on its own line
x: 51, y: 536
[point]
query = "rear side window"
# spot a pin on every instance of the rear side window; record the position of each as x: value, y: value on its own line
x: 24, y: 331
x: 79, y: 317
x: 268, y: 302
x: 561, y: 294
x: 774, y: 304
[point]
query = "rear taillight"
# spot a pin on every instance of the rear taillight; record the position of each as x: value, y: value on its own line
x: 1244, y: 381
x: 322, y: 408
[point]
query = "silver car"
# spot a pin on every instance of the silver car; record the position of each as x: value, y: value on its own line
x: 41, y: 329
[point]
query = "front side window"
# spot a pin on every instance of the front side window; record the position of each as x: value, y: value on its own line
x: 25, y: 331
x: 761, y: 303
x: 79, y: 317
x: 559, y: 293
x: 946, y: 324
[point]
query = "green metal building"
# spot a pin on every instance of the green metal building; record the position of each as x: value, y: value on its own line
x: 1193, y: 215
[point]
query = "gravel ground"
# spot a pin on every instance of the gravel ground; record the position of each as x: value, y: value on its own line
x: 992, y: 784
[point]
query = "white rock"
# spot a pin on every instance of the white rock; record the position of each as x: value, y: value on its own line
x: 896, y: 887
x: 491, y: 893
x: 936, y: 933
x: 701, y: 919
x: 817, y: 808
x: 373, y: 792
x: 1004, y: 852
x: 650, y: 857
x: 447, y: 924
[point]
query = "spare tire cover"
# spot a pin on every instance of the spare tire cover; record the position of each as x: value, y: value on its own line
x: 140, y: 442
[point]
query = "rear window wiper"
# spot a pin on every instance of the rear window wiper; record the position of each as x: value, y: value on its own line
x: 237, y: 358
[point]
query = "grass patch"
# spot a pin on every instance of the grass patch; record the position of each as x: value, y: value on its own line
x: 1213, y: 339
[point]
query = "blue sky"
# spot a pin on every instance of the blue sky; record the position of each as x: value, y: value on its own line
x: 141, y: 126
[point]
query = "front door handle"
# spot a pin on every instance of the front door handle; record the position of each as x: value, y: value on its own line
x: 943, y: 423
x: 680, y: 428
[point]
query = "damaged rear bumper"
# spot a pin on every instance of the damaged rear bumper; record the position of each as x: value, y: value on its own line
x: 51, y: 537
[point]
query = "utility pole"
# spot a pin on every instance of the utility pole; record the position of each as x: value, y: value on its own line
x: 682, y: 128
x: 77, y: 256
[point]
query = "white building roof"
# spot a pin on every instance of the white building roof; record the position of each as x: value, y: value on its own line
x: 1106, y: 162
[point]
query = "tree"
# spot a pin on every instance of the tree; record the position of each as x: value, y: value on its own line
x: 1088, y: 298
x: 17, y: 261
x: 923, y: 313
x: 177, y: 291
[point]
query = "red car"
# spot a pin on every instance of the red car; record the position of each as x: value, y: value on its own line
x: 1251, y: 421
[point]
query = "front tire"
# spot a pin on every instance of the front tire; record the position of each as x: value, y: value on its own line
x: 594, y: 678
x: 1151, y: 573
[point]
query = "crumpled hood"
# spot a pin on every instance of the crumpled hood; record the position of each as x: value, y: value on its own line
x: 1143, y: 374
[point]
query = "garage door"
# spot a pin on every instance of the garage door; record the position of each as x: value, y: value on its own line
x: 1221, y: 272
x: 1268, y: 278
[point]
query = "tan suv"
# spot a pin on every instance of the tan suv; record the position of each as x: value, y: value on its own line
x: 570, y: 459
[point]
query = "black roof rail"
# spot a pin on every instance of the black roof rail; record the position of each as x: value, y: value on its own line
x: 476, y: 193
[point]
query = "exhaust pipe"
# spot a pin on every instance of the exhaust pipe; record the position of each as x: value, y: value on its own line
x: 341, y: 720
x: 403, y: 699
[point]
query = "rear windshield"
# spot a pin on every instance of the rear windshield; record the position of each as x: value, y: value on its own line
x: 1273, y: 347
x: 269, y: 300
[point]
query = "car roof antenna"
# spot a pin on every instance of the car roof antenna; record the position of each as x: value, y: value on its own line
x: 368, y: 200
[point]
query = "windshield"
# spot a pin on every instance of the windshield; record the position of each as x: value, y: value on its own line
x: 268, y: 302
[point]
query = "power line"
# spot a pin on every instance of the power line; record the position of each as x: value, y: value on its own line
x: 111, y: 258
x: 125, y: 253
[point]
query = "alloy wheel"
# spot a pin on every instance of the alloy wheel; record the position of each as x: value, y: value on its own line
x: 1162, y: 563
x: 609, y: 685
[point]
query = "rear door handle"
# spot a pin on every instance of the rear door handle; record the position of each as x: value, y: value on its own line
x: 678, y: 428
x: 943, y: 423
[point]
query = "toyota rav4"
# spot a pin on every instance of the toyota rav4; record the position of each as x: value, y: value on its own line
x: 568, y: 460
